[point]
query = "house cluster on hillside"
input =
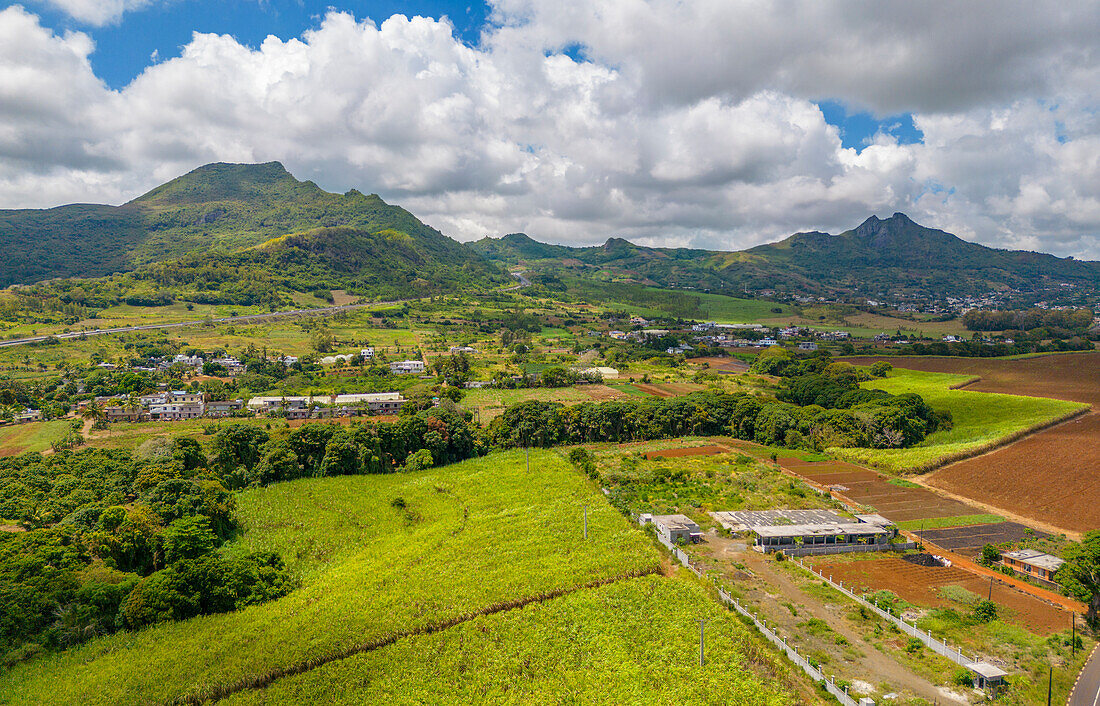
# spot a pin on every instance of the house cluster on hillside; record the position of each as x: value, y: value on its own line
x: 179, y: 405
x: 314, y: 407
x: 174, y: 405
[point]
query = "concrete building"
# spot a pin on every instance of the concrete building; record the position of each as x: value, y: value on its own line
x: 1033, y: 564
x: 126, y: 414
x: 222, y: 408
x: 807, y: 346
x: 674, y: 528
x: 988, y: 678
x: 407, y: 367
x: 27, y: 415
x: 798, y: 532
x: 175, y: 411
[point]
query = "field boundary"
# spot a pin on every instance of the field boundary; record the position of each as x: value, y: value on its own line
x: 981, y: 449
x: 217, y: 692
x: 966, y: 564
x: 965, y: 383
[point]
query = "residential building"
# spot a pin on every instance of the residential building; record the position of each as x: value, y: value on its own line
x: 367, y: 354
x: 175, y: 411
x: 27, y: 415
x: 126, y: 414
x: 407, y: 367
x: 767, y: 342
x: 190, y: 361
x: 463, y: 349
x: 1033, y: 563
x: 807, y: 346
x: 222, y: 408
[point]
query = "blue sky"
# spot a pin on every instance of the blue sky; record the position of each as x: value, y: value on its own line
x: 703, y: 123
x: 124, y: 48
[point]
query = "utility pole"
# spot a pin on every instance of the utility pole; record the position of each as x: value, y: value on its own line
x: 1050, y: 684
x: 702, y: 624
x: 1073, y: 640
x: 991, y: 588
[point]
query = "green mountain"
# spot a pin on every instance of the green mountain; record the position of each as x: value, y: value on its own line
x: 218, y: 209
x: 888, y: 256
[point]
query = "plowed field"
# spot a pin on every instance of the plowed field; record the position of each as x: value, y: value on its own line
x: 918, y: 585
x: 968, y: 540
x: 868, y: 487
x: 1053, y: 476
x: 689, y: 451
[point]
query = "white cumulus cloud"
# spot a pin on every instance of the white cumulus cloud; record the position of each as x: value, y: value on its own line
x: 689, y: 124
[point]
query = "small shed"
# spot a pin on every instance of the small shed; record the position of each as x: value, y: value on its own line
x: 987, y: 677
x: 674, y: 528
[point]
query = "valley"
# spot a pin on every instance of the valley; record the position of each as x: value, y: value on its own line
x: 279, y: 446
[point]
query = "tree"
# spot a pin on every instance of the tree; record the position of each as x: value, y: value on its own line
x: 94, y: 413
x: 1080, y: 575
x: 188, y: 538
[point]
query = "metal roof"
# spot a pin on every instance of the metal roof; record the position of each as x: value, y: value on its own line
x: 822, y: 530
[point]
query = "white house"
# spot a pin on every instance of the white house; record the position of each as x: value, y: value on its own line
x: 407, y: 367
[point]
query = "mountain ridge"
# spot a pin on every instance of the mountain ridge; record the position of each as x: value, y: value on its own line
x: 216, y: 208
x: 894, y: 254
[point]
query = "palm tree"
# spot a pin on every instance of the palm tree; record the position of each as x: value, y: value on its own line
x: 94, y: 412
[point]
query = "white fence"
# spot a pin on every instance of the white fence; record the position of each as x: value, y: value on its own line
x: 937, y: 646
x: 822, y: 549
x: 813, y: 672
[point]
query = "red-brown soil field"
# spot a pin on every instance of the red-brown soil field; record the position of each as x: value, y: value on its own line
x: 723, y: 365
x: 688, y: 451
x: 1052, y: 476
x: 918, y: 585
x: 868, y: 487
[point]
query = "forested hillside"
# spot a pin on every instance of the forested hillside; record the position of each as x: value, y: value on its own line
x: 218, y: 209
x: 894, y: 255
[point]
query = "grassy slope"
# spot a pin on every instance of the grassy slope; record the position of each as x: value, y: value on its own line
x: 631, y: 642
x: 367, y: 572
x: 982, y: 420
x: 36, y: 436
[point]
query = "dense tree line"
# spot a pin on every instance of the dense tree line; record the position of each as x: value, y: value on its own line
x: 901, y: 421
x: 116, y: 540
x: 1065, y: 321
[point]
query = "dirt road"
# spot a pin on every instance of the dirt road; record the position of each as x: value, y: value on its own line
x: 770, y: 587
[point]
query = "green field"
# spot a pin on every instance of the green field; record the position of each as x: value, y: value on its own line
x: 730, y: 310
x: 492, y: 402
x: 982, y: 421
x: 634, y: 641
x: 945, y: 522
x: 378, y: 557
x: 35, y: 436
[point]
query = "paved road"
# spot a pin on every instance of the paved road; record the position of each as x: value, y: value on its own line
x: 1087, y: 690
x: 227, y: 319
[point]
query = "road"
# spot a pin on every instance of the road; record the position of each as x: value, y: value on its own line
x: 1086, y: 692
x: 179, y: 324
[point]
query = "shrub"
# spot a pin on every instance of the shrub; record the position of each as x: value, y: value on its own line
x: 984, y: 612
